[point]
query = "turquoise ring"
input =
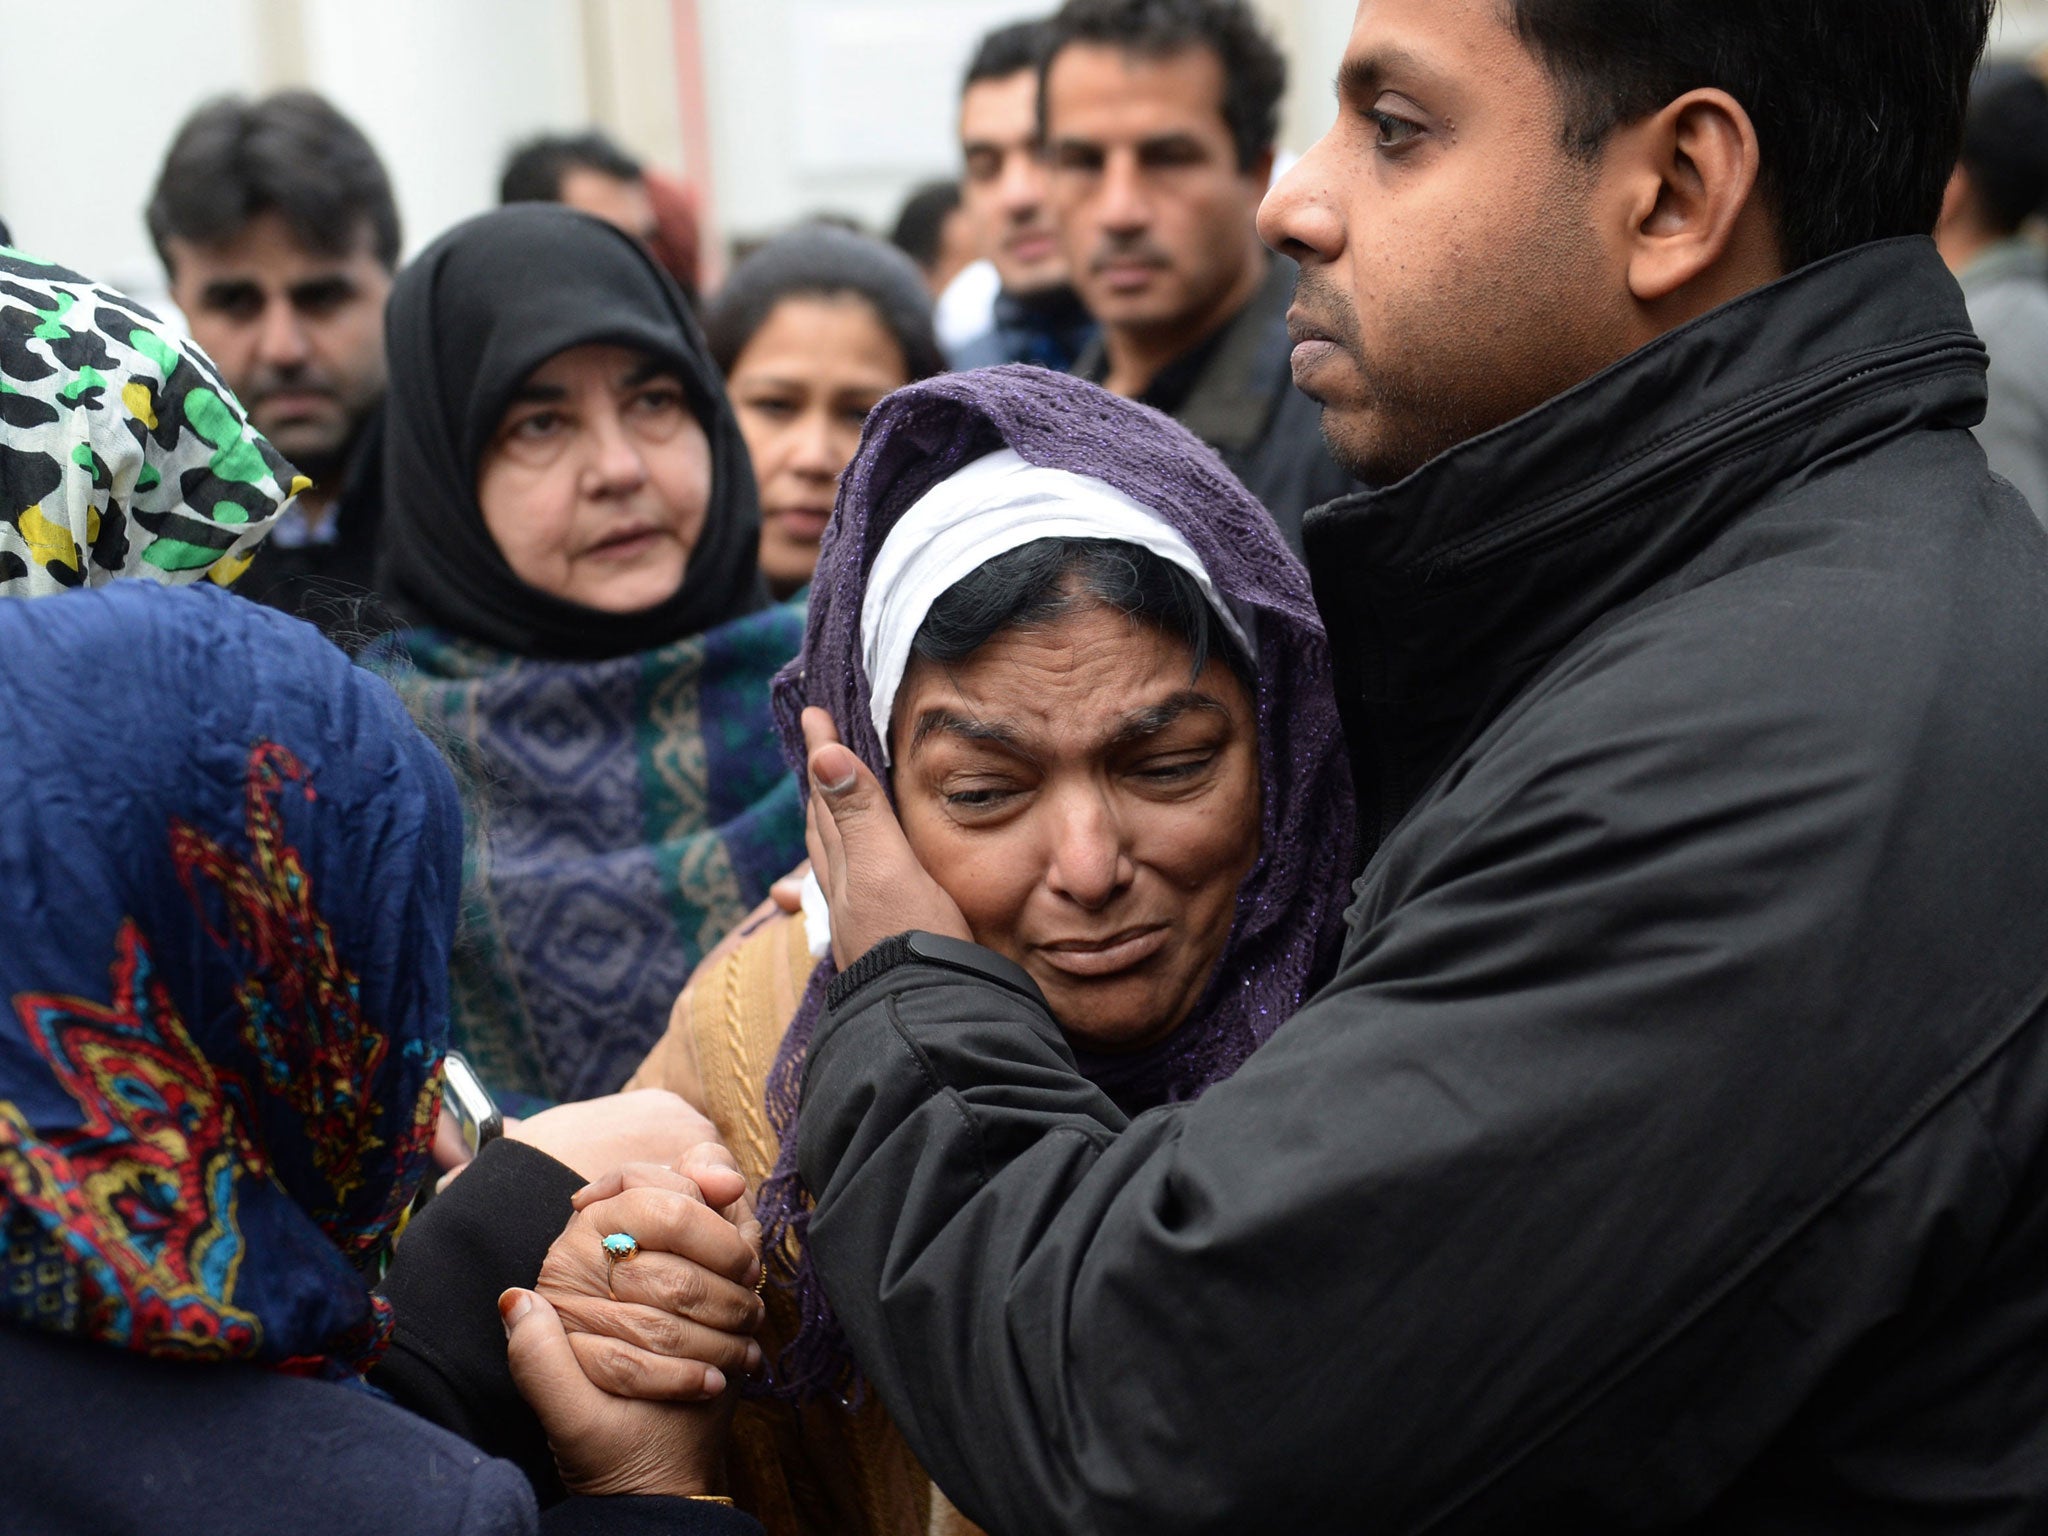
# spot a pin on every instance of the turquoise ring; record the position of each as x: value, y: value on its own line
x: 617, y: 1246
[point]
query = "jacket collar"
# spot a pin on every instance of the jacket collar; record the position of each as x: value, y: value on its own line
x: 1233, y: 400
x: 1240, y: 368
x: 1444, y: 593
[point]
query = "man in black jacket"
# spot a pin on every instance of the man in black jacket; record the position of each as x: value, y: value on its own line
x: 1159, y: 119
x: 1671, y: 1148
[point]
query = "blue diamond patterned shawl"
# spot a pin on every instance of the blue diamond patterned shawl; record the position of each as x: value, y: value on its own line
x: 623, y: 816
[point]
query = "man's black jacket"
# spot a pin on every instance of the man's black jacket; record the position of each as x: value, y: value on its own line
x: 1671, y: 1149
x: 333, y: 584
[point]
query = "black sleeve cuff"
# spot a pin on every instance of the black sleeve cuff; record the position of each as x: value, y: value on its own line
x: 489, y: 1230
x: 920, y: 948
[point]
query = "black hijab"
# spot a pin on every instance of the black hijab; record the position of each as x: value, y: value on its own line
x: 470, y: 320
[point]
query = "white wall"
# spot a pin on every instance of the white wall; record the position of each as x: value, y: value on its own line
x: 2021, y: 27
x: 444, y: 87
x: 839, y: 105
x: 83, y: 123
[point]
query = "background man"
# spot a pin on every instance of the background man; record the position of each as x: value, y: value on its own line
x: 588, y: 171
x: 1670, y: 1150
x: 582, y: 170
x: 277, y: 230
x: 1038, y: 316
x: 2000, y: 182
x: 936, y: 232
x: 1159, y: 118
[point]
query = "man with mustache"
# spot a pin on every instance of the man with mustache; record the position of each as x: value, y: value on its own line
x: 277, y: 229
x: 1670, y: 1148
x: 1159, y: 120
x: 1005, y: 192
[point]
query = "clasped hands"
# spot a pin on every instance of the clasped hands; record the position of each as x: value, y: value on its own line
x: 629, y: 1365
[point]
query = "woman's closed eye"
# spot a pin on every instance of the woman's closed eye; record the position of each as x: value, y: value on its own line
x: 973, y: 796
x: 1175, y: 770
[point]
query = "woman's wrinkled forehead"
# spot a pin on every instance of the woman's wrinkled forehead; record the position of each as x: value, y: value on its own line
x: 1082, y: 682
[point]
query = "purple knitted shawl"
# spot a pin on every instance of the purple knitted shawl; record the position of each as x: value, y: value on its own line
x: 1289, y: 911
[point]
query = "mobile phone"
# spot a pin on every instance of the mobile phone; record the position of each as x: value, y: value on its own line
x: 465, y: 1097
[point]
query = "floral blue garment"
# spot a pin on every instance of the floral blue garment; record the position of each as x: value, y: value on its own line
x: 228, y: 875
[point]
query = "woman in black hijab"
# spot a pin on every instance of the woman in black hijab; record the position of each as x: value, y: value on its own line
x: 571, y: 542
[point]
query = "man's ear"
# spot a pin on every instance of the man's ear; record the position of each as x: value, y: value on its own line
x: 1689, y: 173
x: 1955, y: 199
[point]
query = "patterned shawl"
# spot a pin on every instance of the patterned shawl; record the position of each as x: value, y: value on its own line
x: 228, y: 876
x: 1290, y: 908
x: 623, y: 814
x: 121, y: 451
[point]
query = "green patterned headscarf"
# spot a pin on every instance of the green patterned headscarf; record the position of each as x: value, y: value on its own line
x: 121, y: 451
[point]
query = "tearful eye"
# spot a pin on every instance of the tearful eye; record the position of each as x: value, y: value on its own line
x: 1174, y: 770
x: 977, y: 799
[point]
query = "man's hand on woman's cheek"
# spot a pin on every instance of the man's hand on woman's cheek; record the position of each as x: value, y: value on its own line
x: 675, y: 1319
x: 872, y: 880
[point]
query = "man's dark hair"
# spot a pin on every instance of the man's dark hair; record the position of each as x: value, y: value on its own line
x: 534, y: 170
x: 921, y: 227
x: 291, y: 153
x: 1037, y: 584
x: 1009, y: 51
x: 825, y: 261
x: 1254, y: 73
x: 2005, y: 144
x: 1858, y: 104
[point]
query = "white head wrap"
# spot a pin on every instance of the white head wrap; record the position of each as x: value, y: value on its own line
x: 992, y: 506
